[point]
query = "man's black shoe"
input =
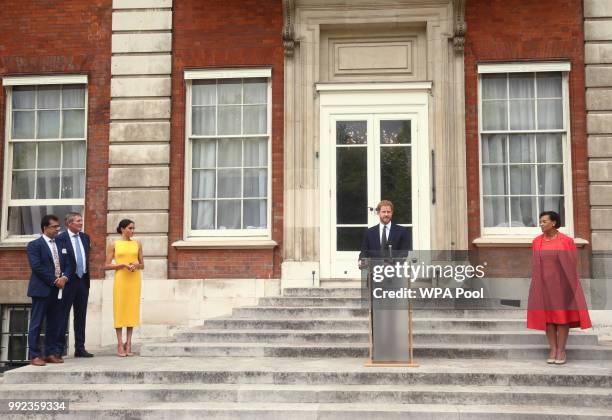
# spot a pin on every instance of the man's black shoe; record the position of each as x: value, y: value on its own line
x: 82, y: 353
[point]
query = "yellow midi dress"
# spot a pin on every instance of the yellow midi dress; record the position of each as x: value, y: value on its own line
x: 126, y: 288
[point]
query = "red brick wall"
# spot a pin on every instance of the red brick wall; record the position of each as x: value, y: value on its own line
x: 41, y: 37
x: 515, y: 30
x: 235, y: 34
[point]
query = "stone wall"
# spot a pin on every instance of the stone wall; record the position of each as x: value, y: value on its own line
x: 598, y: 60
x: 514, y: 31
x: 139, y: 152
x: 42, y: 39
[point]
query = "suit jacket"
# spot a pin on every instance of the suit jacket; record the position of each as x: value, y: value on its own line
x: 43, y: 268
x: 399, y: 239
x: 66, y: 241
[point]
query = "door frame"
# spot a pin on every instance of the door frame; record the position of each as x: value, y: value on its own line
x: 411, y: 99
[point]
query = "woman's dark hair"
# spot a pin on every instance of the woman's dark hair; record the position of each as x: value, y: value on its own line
x: 554, y: 217
x: 123, y: 224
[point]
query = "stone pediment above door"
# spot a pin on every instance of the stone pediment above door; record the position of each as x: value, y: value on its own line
x: 372, y: 53
x: 374, y: 10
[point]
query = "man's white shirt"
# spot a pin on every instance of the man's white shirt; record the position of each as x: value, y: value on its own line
x: 76, y: 237
x: 50, y: 243
x: 381, y: 227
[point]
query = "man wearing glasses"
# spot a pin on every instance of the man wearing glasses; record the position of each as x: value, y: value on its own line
x: 48, y: 262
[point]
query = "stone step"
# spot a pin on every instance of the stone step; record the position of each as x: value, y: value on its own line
x: 342, y: 292
x: 361, y: 350
x: 407, y: 394
x: 351, y: 336
x: 271, y: 312
x: 340, y: 284
x: 306, y: 411
x: 302, y: 301
x: 418, y: 303
x: 340, y: 371
x: 309, y: 371
x: 362, y: 324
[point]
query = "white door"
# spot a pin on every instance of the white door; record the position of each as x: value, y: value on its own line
x: 367, y: 157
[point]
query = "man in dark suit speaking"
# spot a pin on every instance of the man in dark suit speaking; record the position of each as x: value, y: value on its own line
x: 48, y: 261
x: 389, y: 328
x: 386, y: 238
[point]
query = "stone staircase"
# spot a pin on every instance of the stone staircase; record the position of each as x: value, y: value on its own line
x: 333, y: 322
x: 305, y: 354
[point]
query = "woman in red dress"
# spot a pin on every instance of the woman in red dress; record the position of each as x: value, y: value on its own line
x: 556, y: 300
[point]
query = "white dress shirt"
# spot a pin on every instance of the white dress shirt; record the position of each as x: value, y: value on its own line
x: 48, y: 241
x: 381, y: 227
x: 76, y: 237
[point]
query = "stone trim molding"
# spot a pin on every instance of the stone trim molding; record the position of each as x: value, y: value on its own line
x: 289, y: 41
x: 239, y: 243
x: 460, y: 25
x: 515, y: 242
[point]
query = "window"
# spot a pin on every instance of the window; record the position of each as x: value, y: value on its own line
x: 524, y: 148
x: 14, y: 334
x: 45, y: 154
x: 228, y: 156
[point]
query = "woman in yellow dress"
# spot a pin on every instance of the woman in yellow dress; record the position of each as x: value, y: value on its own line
x: 127, y: 254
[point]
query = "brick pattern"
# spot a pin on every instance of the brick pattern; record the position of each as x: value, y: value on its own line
x: 225, y: 34
x: 514, y: 30
x: 41, y: 38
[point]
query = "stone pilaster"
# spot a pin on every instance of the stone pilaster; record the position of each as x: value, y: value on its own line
x: 598, y: 60
x: 139, y: 152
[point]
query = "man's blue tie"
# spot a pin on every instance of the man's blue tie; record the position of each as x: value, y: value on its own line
x: 79, y: 257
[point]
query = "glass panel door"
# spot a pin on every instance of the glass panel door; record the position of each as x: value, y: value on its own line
x: 395, y: 167
x: 371, y: 159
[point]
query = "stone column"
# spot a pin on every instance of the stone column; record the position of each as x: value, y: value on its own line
x: 598, y: 60
x: 139, y: 153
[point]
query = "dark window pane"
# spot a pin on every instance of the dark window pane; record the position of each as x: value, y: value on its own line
x: 395, y: 132
x: 18, y: 322
x: 351, y: 185
x: 349, y: 238
x: 351, y: 132
x: 396, y: 181
x: 17, y: 348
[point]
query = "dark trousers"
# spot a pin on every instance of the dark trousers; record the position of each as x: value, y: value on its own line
x: 49, y: 308
x: 75, y: 296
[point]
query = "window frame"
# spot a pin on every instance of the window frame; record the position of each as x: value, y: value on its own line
x: 35, y: 81
x: 225, y: 235
x: 563, y: 68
